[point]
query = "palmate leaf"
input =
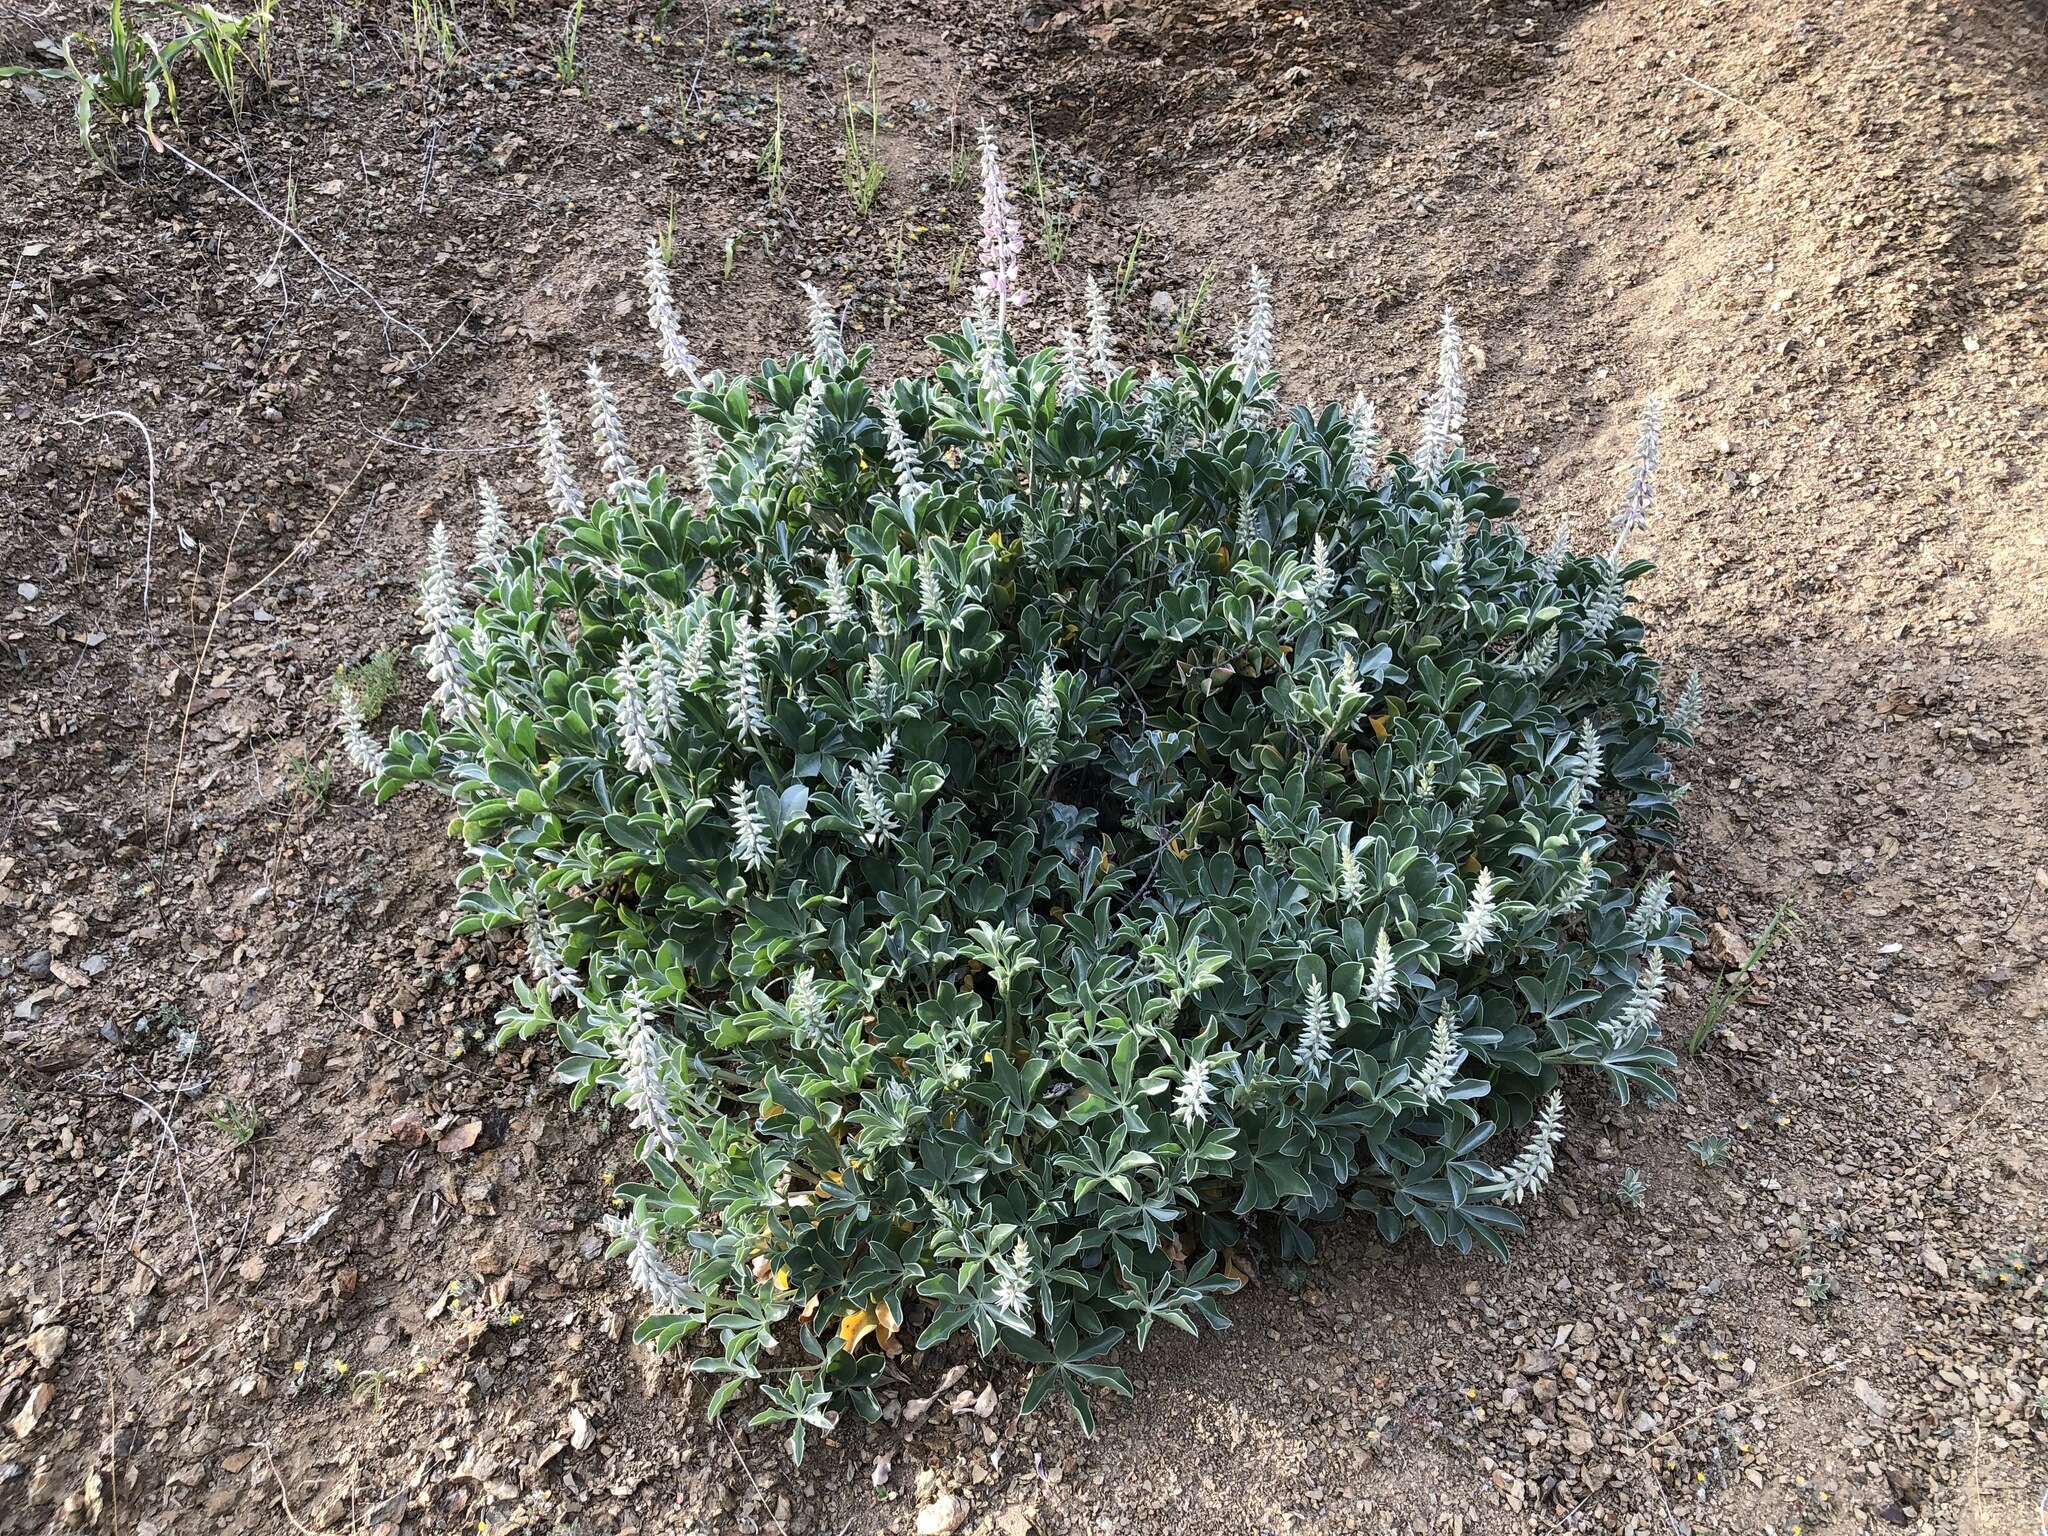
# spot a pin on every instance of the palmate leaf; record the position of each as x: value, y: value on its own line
x: 1071, y: 1366
x: 1070, y: 829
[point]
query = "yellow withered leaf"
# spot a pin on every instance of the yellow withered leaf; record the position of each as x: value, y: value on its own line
x: 1379, y: 726
x: 876, y: 1319
x: 855, y: 1326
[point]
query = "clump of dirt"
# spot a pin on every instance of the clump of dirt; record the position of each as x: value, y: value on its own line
x: 281, y: 1246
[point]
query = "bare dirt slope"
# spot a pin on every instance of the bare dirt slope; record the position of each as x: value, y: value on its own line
x: 1822, y: 232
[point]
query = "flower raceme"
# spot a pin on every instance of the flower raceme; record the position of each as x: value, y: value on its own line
x: 1047, y: 828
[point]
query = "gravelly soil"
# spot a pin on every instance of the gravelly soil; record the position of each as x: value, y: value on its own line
x: 1821, y: 232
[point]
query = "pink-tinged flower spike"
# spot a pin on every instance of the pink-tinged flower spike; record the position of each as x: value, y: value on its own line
x: 1443, y: 427
x: 1641, y: 496
x: 1002, y: 238
x: 671, y: 346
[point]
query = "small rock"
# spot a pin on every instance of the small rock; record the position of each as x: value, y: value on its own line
x: 943, y: 1516
x: 1878, y: 1405
x: 24, y: 1423
x: 47, y: 1345
x: 1162, y: 305
x: 582, y: 1434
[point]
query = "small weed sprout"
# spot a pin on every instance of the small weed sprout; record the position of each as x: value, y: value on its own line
x: 1633, y: 1189
x: 435, y: 35
x: 861, y: 171
x: 239, y: 1123
x: 770, y: 167
x: 124, y: 75
x: 368, y: 1386
x: 1729, y: 991
x: 566, y: 66
x: 1712, y: 1151
x: 371, y: 683
x: 667, y: 235
x: 315, y: 779
x: 1053, y: 221
x: 1127, y: 274
x: 218, y: 39
x: 1187, y: 316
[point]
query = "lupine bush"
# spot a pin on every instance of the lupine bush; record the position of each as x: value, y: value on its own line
x: 1011, y: 836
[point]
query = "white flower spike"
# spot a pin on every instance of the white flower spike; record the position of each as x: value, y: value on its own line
x: 557, y: 473
x: 1443, y: 426
x: 1476, y: 926
x: 1527, y: 1174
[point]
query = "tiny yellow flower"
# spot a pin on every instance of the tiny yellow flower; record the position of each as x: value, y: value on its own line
x: 298, y: 1365
x: 338, y: 1365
